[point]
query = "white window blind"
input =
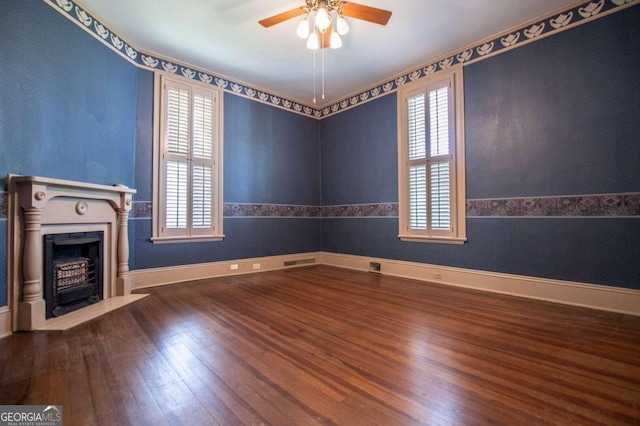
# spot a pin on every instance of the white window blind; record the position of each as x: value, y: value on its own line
x: 176, y: 198
x: 429, y: 180
x: 177, y: 120
x: 418, y: 196
x: 189, y: 194
x: 439, y: 159
x: 427, y: 154
x: 440, y: 194
x: 201, y: 197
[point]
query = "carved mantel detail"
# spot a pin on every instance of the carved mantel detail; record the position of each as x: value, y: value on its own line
x: 40, y: 206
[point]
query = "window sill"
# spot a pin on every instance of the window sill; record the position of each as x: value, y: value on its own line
x: 195, y: 239
x: 439, y: 240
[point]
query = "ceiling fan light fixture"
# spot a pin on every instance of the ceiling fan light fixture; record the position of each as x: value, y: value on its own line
x: 323, y: 20
x: 313, y: 42
x: 303, y: 28
x: 320, y: 30
x: 335, y: 41
x: 341, y: 25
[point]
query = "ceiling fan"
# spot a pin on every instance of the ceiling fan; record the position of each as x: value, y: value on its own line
x: 322, y: 23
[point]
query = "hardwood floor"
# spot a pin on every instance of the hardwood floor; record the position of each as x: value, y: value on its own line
x: 322, y: 345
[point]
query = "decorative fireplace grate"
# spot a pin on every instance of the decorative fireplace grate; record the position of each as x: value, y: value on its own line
x: 72, y: 271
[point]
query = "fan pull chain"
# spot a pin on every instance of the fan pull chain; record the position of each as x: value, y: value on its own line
x: 314, y: 77
x: 322, y: 46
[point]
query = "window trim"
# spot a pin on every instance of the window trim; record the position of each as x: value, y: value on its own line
x: 158, y: 237
x: 458, y: 198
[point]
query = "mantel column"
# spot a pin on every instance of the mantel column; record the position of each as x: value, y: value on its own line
x: 33, y: 306
x: 123, y: 284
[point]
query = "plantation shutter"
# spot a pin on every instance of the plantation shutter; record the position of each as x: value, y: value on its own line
x: 188, y: 159
x: 202, y: 160
x: 176, y: 199
x: 176, y: 158
x: 417, y: 165
x: 439, y: 159
x: 429, y: 125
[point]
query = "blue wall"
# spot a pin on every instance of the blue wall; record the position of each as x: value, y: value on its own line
x: 554, y: 117
x: 559, y: 116
x: 270, y: 156
x: 245, y: 238
x: 360, y: 154
x: 58, y: 118
x: 73, y: 109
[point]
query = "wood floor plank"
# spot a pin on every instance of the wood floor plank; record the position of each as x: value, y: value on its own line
x: 249, y: 387
x: 323, y: 345
x: 188, y: 367
x: 17, y: 365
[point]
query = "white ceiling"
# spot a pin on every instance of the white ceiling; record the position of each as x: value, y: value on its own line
x: 224, y: 38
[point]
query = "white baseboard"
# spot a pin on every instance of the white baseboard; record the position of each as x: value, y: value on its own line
x: 5, y: 321
x: 175, y: 274
x: 594, y: 296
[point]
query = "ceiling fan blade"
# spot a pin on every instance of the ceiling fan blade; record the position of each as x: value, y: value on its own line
x: 366, y: 13
x: 281, y: 17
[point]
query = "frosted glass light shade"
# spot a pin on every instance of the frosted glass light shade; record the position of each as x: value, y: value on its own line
x: 335, y: 41
x: 303, y: 29
x: 313, y: 42
x: 342, y: 25
x: 322, y: 19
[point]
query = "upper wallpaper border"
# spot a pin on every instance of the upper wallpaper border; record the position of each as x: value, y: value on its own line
x: 541, y: 28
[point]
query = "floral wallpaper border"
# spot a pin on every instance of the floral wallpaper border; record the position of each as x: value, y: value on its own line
x: 361, y: 210
x: 271, y: 210
x: 143, y: 210
x: 552, y: 24
x: 606, y: 205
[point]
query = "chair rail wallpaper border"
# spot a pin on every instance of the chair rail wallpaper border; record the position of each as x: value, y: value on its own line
x: 601, y: 205
x: 615, y: 205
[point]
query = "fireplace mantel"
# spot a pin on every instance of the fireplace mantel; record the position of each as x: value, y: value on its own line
x: 39, y: 206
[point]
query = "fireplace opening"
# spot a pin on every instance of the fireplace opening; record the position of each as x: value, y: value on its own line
x: 72, y: 271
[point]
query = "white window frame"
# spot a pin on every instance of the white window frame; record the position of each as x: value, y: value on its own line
x: 160, y: 233
x: 453, y: 78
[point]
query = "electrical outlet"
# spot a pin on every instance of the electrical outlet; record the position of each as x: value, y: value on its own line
x: 256, y: 266
x: 234, y: 266
x: 374, y: 267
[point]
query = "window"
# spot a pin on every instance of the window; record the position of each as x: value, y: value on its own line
x: 431, y: 159
x: 187, y: 172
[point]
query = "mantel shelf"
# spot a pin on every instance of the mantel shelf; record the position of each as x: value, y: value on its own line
x: 61, y: 183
